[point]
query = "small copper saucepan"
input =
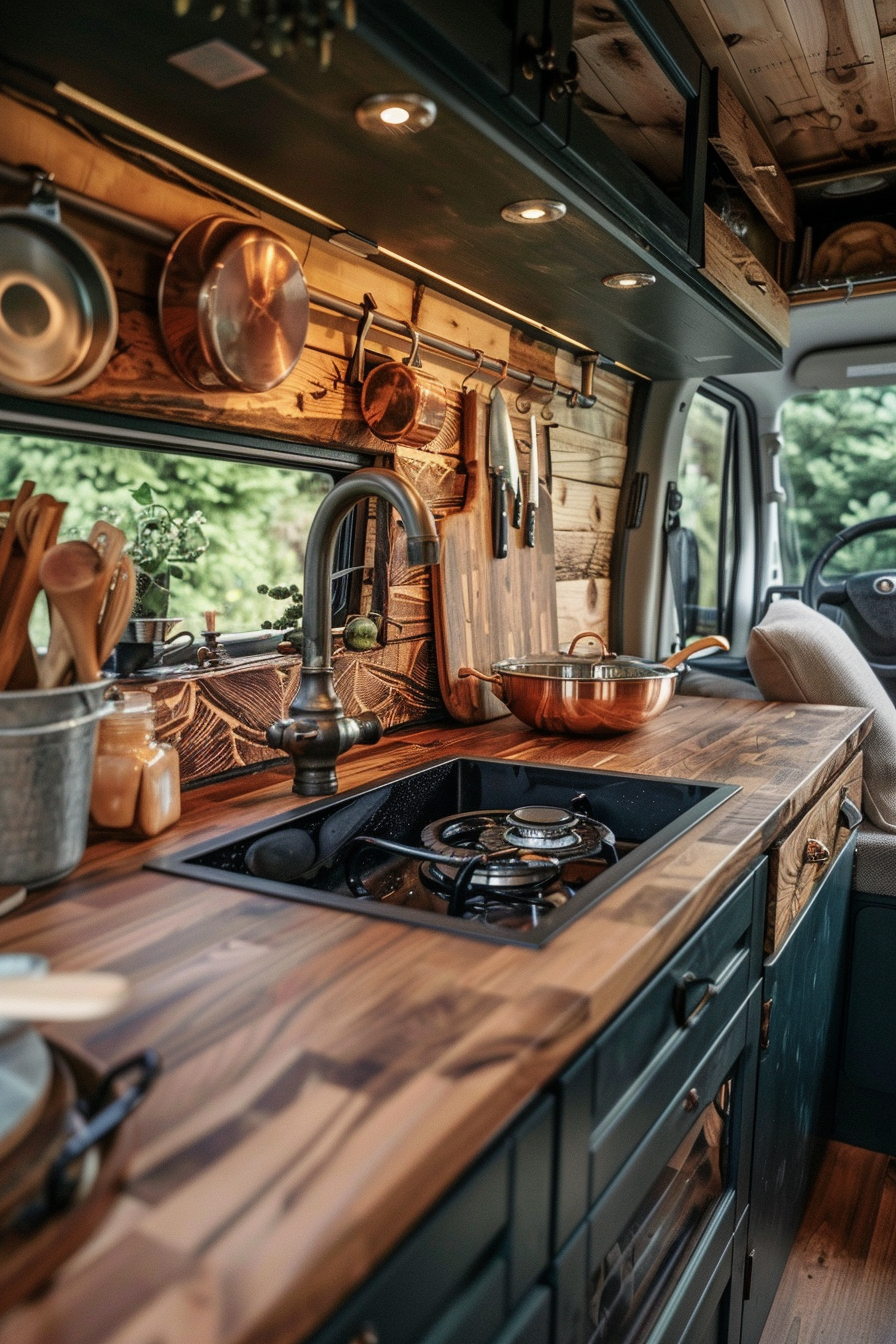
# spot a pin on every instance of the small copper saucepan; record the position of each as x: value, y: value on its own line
x: 403, y: 404
x: 593, y: 695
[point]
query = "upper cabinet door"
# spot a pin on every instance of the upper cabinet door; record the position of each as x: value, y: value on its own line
x: 629, y: 88
x: 495, y: 35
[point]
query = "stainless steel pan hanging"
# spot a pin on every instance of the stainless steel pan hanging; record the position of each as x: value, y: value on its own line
x: 58, y: 314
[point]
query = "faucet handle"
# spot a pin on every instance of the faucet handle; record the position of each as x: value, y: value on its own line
x: 284, y: 731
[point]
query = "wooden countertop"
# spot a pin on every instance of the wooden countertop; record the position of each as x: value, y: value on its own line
x: 328, y: 1076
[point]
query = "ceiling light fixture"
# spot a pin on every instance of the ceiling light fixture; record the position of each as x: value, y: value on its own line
x: 629, y: 280
x: 386, y: 113
x: 854, y: 186
x: 533, y: 212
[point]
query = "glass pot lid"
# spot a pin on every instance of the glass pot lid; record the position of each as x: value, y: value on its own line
x: 570, y: 666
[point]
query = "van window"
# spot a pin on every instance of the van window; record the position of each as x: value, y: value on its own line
x: 212, y: 530
x: 707, y: 483
x: 838, y: 469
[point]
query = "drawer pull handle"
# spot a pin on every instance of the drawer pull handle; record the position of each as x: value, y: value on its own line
x: 850, y: 816
x: 682, y: 992
x: 816, y: 852
x: 691, y: 1099
x: 758, y: 283
x: 770, y: 168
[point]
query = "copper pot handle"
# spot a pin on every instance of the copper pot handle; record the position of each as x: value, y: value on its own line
x: 494, y: 680
x: 591, y: 634
x: 708, y: 642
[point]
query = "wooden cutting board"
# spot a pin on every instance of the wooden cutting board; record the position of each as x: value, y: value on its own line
x: 487, y: 609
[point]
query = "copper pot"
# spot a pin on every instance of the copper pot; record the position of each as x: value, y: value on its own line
x: 233, y: 306
x: 403, y: 404
x: 595, y: 696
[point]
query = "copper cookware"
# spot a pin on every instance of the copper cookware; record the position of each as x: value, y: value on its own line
x: 596, y: 696
x: 403, y: 404
x: 233, y: 306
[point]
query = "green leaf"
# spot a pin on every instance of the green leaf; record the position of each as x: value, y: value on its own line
x: 143, y: 494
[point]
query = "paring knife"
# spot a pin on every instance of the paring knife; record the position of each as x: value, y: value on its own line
x: 532, y: 503
x: 500, y: 436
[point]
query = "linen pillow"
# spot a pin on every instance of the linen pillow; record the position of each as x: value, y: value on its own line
x: 799, y: 655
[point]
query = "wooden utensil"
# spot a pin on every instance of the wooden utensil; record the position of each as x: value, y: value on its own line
x: 76, y: 583
x: 62, y: 997
x: 118, y: 608
x: 8, y: 535
x: 14, y: 627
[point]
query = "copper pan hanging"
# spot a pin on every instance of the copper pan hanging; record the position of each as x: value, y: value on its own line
x: 233, y: 306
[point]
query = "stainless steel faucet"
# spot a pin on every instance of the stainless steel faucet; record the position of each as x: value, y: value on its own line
x: 317, y: 730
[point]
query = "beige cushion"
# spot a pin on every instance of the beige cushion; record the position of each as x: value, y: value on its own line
x: 697, y: 682
x: 796, y: 654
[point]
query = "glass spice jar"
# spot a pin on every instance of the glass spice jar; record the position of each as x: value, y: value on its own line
x: 136, y: 779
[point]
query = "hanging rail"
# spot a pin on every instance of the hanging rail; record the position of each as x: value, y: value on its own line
x: 160, y: 236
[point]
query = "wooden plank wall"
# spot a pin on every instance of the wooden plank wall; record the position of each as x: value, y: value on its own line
x: 218, y: 719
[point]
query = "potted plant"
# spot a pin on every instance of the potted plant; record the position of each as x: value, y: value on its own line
x: 162, y: 544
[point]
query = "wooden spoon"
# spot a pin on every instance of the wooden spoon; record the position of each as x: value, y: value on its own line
x: 61, y: 997
x: 118, y: 608
x: 14, y: 627
x: 72, y: 576
x: 8, y: 535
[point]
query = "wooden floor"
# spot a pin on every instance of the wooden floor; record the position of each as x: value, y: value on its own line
x: 839, y: 1286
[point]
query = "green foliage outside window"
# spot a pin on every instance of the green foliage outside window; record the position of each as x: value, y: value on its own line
x: 255, y: 517
x: 840, y: 457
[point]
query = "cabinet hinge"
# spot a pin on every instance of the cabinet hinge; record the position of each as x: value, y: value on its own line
x: 764, y: 1023
x: 748, y: 1275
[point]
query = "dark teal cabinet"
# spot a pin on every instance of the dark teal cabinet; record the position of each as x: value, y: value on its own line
x: 803, y: 990
x: 866, y: 1093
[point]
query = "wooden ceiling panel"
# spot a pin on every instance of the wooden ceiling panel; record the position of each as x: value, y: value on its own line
x: 820, y: 74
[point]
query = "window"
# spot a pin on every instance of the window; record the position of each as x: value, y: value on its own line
x: 703, y: 538
x: 838, y: 468
x: 238, y: 524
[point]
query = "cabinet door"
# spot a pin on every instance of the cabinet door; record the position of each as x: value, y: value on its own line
x: 629, y: 102
x: 802, y: 1006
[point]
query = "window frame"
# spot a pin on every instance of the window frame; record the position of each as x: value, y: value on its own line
x: 86, y: 425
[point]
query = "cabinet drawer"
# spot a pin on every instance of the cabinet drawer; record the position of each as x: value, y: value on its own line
x: 794, y: 873
x: 733, y: 269
x: 614, y: 1093
x: 743, y: 149
x: 456, y: 1278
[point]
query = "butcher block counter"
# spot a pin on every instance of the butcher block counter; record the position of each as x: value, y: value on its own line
x: 327, y: 1076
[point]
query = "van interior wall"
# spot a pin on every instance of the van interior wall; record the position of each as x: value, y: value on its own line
x: 220, y: 727
x: 649, y: 627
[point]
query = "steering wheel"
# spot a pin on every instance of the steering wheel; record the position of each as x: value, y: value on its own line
x: 867, y: 601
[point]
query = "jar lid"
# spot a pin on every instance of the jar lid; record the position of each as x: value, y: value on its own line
x: 131, y: 702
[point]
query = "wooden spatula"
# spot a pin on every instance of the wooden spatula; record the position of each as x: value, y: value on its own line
x: 73, y: 578
x: 118, y: 608
x: 14, y: 627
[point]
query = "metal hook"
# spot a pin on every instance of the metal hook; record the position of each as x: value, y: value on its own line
x: 494, y: 387
x: 356, y: 367
x: 522, y: 404
x: 546, y: 412
x: 413, y: 359
x: 480, y: 356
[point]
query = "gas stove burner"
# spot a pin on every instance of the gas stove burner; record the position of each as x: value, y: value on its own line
x: 530, y: 832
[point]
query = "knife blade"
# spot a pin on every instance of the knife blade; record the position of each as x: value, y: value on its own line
x: 516, y: 482
x: 499, y: 435
x: 532, y: 503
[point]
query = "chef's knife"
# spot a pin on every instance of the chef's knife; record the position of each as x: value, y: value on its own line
x: 532, y: 504
x: 499, y: 437
x: 515, y: 482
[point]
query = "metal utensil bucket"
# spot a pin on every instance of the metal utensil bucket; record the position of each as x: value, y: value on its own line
x: 47, y: 746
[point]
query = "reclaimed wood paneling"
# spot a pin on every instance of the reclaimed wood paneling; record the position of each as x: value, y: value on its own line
x: 327, y: 1076
x: 733, y: 268
x: 743, y: 149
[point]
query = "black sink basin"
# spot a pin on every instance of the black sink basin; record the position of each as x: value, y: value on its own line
x: 518, y: 850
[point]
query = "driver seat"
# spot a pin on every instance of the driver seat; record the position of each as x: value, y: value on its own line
x: 798, y: 655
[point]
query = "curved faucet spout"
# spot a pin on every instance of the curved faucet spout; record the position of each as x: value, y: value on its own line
x: 423, y: 547
x: 317, y: 731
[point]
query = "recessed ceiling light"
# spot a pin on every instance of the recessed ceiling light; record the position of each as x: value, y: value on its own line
x: 854, y: 186
x: 630, y: 280
x: 386, y: 113
x: 533, y: 212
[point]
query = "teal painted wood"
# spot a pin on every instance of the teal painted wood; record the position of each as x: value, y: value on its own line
x: 797, y: 1078
x: 866, y: 1092
x: 531, y: 1322
x: 531, y: 1199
